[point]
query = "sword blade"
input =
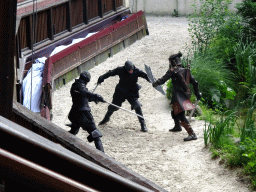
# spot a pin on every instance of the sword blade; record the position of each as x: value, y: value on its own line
x: 152, y: 79
x: 125, y: 109
x: 95, y: 88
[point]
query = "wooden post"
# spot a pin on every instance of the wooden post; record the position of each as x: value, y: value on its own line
x: 85, y: 12
x: 100, y: 7
x: 7, y: 48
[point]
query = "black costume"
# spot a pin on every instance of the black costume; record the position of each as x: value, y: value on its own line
x: 80, y: 113
x: 126, y: 89
x: 181, y: 78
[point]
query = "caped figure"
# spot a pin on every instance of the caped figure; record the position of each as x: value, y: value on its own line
x: 126, y: 89
x: 181, y: 78
x: 80, y: 113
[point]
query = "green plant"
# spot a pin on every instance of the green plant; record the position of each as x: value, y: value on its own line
x: 248, y: 130
x: 248, y: 151
x: 231, y: 154
x: 245, y: 61
x: 247, y: 9
x: 215, y: 80
x: 204, y: 25
x: 218, y: 134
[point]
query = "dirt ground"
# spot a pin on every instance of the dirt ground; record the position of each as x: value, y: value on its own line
x: 158, y: 155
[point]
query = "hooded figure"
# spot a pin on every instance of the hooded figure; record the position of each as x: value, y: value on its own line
x: 80, y: 113
x: 181, y: 78
x: 126, y: 89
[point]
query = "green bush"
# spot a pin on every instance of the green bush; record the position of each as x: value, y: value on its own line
x: 219, y: 134
x: 248, y: 152
x: 203, y: 26
x: 248, y: 9
x: 215, y: 80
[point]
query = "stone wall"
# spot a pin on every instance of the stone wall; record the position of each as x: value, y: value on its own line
x: 168, y: 7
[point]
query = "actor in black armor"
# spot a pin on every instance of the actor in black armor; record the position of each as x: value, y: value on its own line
x: 80, y: 113
x: 126, y: 89
x: 181, y: 78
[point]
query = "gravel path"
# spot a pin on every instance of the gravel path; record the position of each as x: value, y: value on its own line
x: 158, y: 155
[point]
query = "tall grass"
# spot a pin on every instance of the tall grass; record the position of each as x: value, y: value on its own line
x: 220, y: 133
x: 248, y: 130
x: 215, y: 79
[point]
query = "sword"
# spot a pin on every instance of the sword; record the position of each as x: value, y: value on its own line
x: 193, y: 110
x: 152, y: 79
x: 95, y: 88
x: 119, y: 107
x: 125, y: 109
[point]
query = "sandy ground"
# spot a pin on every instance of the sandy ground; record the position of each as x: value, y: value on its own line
x: 158, y: 155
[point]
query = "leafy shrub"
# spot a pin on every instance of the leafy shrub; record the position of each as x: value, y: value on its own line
x: 248, y: 9
x: 215, y: 80
x: 249, y: 130
x: 203, y: 26
x: 248, y: 151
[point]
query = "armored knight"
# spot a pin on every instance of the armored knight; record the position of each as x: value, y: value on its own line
x: 80, y: 113
x: 181, y: 78
x: 126, y: 89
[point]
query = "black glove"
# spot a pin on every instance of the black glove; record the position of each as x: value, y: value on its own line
x: 100, y: 80
x: 198, y: 96
x: 154, y: 84
x: 98, y: 98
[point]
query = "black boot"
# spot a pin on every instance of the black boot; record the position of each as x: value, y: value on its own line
x: 177, y: 126
x: 141, y: 120
x: 191, y: 133
x: 143, y: 126
x: 98, y: 144
x: 74, y: 129
x: 106, y: 118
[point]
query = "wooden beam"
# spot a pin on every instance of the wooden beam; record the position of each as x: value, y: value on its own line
x: 68, y: 16
x: 7, y: 45
x: 85, y: 12
x: 49, y: 24
x: 100, y: 4
x: 114, y: 5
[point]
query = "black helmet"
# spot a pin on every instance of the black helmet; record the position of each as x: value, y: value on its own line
x: 128, y: 65
x: 85, y: 76
x: 175, y: 59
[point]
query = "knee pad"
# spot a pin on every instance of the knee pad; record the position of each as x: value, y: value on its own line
x: 93, y: 135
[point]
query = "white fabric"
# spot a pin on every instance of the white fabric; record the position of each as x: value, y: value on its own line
x: 38, y: 68
x: 37, y: 79
x: 74, y: 41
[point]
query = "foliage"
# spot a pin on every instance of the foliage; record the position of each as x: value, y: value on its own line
x: 217, y: 134
x: 245, y: 54
x: 248, y: 9
x: 223, y: 61
x: 227, y: 37
x: 248, y: 159
x: 215, y: 80
x: 248, y: 130
x: 203, y: 26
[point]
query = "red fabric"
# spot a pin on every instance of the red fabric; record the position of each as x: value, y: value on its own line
x: 186, y: 106
x: 45, y: 112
